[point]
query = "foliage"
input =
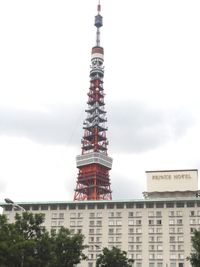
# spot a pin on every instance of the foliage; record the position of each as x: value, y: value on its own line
x: 194, y: 257
x: 26, y: 243
x: 113, y: 258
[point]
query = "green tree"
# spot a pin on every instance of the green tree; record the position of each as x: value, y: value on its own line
x: 26, y: 243
x: 68, y: 248
x: 194, y: 257
x: 113, y: 258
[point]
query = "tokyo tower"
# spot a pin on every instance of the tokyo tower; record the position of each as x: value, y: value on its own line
x: 94, y: 164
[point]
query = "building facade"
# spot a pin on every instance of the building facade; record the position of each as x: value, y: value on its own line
x: 154, y: 232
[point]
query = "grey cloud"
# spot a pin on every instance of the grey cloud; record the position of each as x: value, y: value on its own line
x: 2, y: 186
x: 133, y: 127
x: 129, y: 189
x: 55, y: 125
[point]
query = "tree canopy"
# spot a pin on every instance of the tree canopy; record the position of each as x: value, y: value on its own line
x: 113, y: 258
x: 26, y: 243
x: 194, y: 257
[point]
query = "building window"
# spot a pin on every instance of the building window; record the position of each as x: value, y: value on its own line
x: 110, y: 206
x: 158, y: 214
x: 100, y: 206
x: 99, y: 214
x: 72, y: 215
x: 111, y: 239
x: 151, y: 238
x: 130, y: 222
x: 54, y: 223
x: 98, y: 231
x: 131, y: 239
x: 180, y: 204
x: 139, y: 206
x: 131, y: 230
x: 190, y: 204
x: 44, y: 207
x: 151, y: 247
x: 159, y: 256
x: 172, y: 230
x: 138, y: 214
x: 159, y: 230
x: 72, y: 223
x: 120, y: 206
x: 99, y: 223
x: 118, y: 231
x: 111, y: 214
x: 54, y: 216
x: 138, y: 256
x: 138, y: 222
x: 79, y: 215
x: 91, y: 223
x: 61, y: 215
x: 91, y: 231
x: 91, y: 206
x: 151, y: 256
x: 111, y: 231
x: 159, y: 239
x: 160, y: 205
x: 130, y: 214
x: 179, y: 213
x: 171, y: 222
x: 192, y: 221
x: 118, y: 222
x: 172, y: 247
x: 79, y: 223
x: 192, y: 213
x: 179, y: 221
x: 72, y: 207
x: 151, y: 214
x: 81, y: 207
x: 159, y: 222
x: 53, y: 207
x: 172, y: 239
x: 60, y: 223
x: 138, y: 230
x: 151, y: 230
x: 159, y: 248
x: 151, y: 222
x: 138, y: 239
x: 111, y: 222
x: 129, y: 205
x: 171, y: 213
x: 118, y: 214
x: 92, y: 214
x: 180, y: 230
x: 149, y: 205
x: 169, y: 204
x: 172, y: 256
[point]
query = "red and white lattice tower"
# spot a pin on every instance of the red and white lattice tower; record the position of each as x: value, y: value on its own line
x: 93, y: 182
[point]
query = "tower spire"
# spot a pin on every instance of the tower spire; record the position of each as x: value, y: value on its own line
x: 94, y: 164
x: 98, y: 23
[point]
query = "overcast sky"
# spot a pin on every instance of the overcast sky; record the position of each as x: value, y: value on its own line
x: 152, y: 84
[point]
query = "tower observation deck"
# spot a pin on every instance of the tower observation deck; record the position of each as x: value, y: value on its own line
x: 94, y: 164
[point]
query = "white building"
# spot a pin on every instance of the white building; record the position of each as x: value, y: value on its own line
x: 155, y: 231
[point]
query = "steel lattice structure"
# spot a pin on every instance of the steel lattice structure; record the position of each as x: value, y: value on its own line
x: 93, y: 182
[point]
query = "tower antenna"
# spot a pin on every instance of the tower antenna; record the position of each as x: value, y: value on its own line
x: 98, y: 23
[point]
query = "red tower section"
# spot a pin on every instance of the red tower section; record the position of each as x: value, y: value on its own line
x: 93, y: 181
